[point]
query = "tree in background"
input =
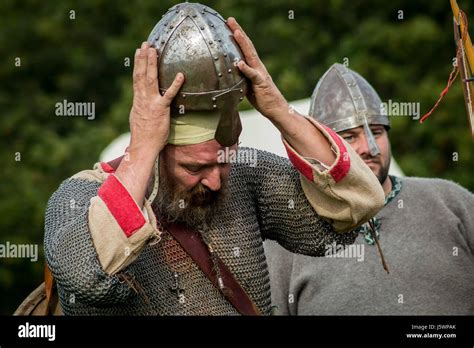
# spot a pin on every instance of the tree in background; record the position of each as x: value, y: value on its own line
x: 83, y: 52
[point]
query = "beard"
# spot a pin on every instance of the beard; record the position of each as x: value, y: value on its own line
x: 194, y: 207
x: 382, y: 172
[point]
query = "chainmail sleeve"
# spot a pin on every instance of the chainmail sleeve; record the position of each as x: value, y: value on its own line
x: 283, y: 211
x: 69, y: 248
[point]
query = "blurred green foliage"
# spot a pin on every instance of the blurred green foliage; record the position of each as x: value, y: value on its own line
x: 82, y: 59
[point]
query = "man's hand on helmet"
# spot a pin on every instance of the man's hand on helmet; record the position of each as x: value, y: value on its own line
x: 298, y: 131
x: 149, y: 123
x: 263, y: 94
x: 150, y: 114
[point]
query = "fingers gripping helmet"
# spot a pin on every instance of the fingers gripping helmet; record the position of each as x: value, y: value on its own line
x: 343, y: 99
x: 194, y: 39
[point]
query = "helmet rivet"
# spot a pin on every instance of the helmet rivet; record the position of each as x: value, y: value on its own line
x: 210, y: 42
x: 171, y: 27
x: 184, y: 95
x: 241, y: 98
x: 219, y: 40
x: 194, y: 15
x: 220, y: 74
x: 229, y: 71
x: 212, y: 25
x: 166, y: 24
x: 241, y: 90
x: 216, y: 58
x: 214, y: 106
x: 162, y: 42
x: 214, y: 99
x: 202, y: 28
x: 225, y: 54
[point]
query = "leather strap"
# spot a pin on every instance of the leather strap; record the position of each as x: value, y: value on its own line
x: 48, y: 287
x: 193, y: 244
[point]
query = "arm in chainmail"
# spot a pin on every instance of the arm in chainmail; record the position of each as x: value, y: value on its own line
x: 283, y: 211
x: 69, y: 248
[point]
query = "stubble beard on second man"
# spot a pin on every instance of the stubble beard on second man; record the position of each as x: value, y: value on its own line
x: 193, y: 208
x: 383, y: 166
x: 382, y: 173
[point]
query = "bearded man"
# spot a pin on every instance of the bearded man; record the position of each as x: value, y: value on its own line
x: 426, y: 229
x: 169, y: 229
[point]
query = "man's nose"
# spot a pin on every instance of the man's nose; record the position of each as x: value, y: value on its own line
x: 212, y: 180
x: 363, y: 148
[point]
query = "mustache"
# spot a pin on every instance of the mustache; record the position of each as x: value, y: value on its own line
x: 193, y: 207
x: 369, y: 157
x: 202, y: 196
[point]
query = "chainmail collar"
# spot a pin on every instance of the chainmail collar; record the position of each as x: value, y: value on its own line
x: 396, y: 188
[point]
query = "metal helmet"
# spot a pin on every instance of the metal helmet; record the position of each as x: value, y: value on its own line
x: 194, y: 39
x: 343, y: 99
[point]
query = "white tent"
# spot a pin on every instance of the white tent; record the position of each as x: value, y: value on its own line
x: 258, y: 132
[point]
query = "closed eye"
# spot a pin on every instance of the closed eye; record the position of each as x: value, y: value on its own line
x: 193, y: 169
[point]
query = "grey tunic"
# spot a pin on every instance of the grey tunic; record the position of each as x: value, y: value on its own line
x: 427, y: 237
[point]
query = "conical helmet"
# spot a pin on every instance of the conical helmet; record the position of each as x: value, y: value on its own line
x: 194, y: 39
x: 343, y: 99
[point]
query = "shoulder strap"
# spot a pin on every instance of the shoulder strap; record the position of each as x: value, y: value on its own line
x: 193, y: 244
x: 49, y: 288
